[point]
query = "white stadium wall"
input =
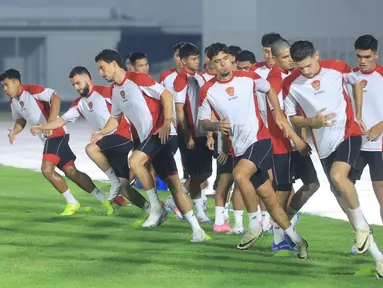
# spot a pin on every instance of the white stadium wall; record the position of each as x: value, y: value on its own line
x: 66, y: 50
x: 332, y: 25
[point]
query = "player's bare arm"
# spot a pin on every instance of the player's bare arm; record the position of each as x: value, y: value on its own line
x: 210, y: 138
x: 55, y: 107
x: 17, y: 128
x: 357, y: 92
x: 167, y: 105
x: 223, y: 125
x: 318, y: 121
x: 55, y: 124
x: 183, y: 123
x: 222, y: 157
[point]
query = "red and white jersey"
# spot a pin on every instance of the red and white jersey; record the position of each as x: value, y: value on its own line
x: 234, y: 99
x: 187, y: 88
x: 33, y: 105
x: 325, y: 90
x: 95, y: 109
x: 281, y: 144
x: 206, y: 75
x: 372, y: 111
x: 138, y: 96
x: 262, y: 70
x: 167, y: 80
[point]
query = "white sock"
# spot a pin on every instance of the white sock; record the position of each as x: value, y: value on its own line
x: 154, y: 201
x: 146, y: 207
x: 219, y: 215
x: 279, y: 234
x: 265, y: 218
x: 254, y: 221
x: 112, y: 176
x: 203, y: 195
x: 238, y: 218
x: 374, y: 250
x: 198, y: 204
x: 259, y: 215
x: 190, y: 217
x: 360, y: 221
x: 69, y: 198
x: 294, y: 236
x: 98, y: 195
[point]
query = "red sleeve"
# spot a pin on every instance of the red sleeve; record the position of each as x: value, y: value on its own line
x: 33, y: 89
x: 141, y: 79
x: 75, y: 102
x: 275, y: 80
x: 180, y: 82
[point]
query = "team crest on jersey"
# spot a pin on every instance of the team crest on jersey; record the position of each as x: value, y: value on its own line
x: 21, y: 104
x: 316, y: 84
x: 122, y: 93
x: 364, y: 83
x: 230, y: 91
x: 90, y: 105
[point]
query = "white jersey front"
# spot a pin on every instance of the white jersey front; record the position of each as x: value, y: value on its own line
x: 187, y: 87
x: 95, y: 109
x: 372, y: 111
x: 235, y: 100
x: 33, y: 105
x: 262, y: 70
x: 138, y: 96
x: 167, y: 80
x: 324, y: 90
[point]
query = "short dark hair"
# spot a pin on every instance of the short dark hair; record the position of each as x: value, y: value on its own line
x: 269, y: 38
x: 108, y: 56
x: 188, y: 49
x: 215, y: 48
x: 234, y: 50
x: 79, y: 70
x: 366, y: 42
x: 245, y: 55
x: 10, y: 74
x: 133, y: 57
x: 178, y: 46
x: 302, y: 50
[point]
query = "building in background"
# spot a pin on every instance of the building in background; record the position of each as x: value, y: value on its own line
x: 45, y: 39
x: 332, y: 25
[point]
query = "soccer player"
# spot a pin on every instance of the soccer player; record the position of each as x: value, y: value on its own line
x: 318, y: 88
x: 148, y: 106
x: 231, y: 96
x: 234, y: 51
x: 198, y: 157
x: 371, y: 73
x: 35, y: 104
x: 110, y: 154
x: 263, y: 69
x: 208, y: 72
x: 287, y: 165
x: 245, y: 60
x: 139, y: 62
x: 128, y: 65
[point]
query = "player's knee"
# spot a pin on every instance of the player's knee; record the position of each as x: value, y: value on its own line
x: 47, y: 169
x: 91, y: 149
x: 70, y: 172
x: 337, y: 177
x: 137, y: 161
x: 238, y: 176
x: 314, y: 187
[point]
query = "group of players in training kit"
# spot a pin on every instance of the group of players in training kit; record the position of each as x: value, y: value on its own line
x: 250, y: 116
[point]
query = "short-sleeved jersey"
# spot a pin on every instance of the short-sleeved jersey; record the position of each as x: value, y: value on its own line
x: 138, y: 96
x: 95, y: 109
x: 372, y: 111
x: 206, y: 75
x: 281, y: 144
x: 167, y: 80
x: 325, y: 90
x: 33, y: 105
x: 262, y: 70
x: 234, y: 100
x: 187, y: 87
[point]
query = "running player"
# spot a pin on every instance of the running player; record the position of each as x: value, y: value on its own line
x: 34, y: 104
x: 230, y: 92
x: 94, y: 106
x: 287, y: 165
x: 198, y: 157
x: 148, y: 106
